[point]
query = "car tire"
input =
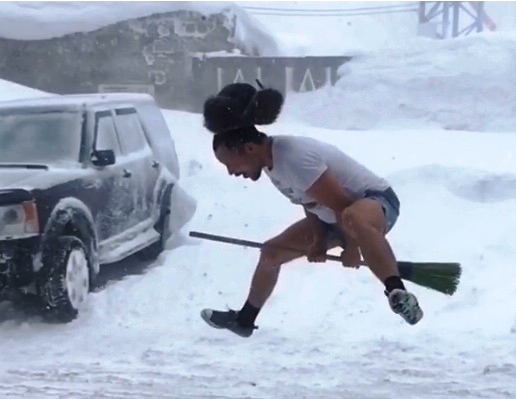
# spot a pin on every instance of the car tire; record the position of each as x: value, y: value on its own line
x: 64, y: 279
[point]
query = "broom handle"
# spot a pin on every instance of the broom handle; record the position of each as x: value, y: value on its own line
x: 405, y: 268
x: 254, y: 244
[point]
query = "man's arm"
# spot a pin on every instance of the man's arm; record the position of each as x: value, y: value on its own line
x: 310, y: 173
x: 318, y: 227
x: 328, y: 192
x: 317, y: 250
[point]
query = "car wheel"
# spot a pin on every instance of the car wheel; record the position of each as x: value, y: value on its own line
x: 64, y: 279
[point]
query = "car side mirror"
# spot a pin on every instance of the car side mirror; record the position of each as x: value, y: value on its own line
x: 103, y: 157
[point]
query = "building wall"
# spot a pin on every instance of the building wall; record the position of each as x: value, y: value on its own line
x: 166, y: 55
x: 152, y: 53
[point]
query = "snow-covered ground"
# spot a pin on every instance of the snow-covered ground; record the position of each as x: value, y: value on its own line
x: 327, y: 332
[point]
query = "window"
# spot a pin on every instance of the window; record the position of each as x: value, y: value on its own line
x: 40, y: 137
x: 132, y: 136
x: 106, y: 138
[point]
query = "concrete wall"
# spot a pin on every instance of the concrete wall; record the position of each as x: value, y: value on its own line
x: 158, y: 54
x: 152, y: 52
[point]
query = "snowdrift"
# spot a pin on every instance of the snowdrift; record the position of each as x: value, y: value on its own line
x: 459, y: 84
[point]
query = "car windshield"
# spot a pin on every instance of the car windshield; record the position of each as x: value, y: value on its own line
x: 44, y: 137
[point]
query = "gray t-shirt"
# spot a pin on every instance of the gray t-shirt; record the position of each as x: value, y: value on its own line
x: 299, y: 161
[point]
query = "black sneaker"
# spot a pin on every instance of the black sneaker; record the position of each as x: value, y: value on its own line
x: 226, y: 320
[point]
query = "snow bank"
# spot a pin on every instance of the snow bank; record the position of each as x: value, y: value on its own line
x: 470, y: 184
x: 45, y: 20
x: 460, y: 84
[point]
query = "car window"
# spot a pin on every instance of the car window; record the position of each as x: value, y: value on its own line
x: 130, y: 130
x: 40, y: 137
x: 106, y: 136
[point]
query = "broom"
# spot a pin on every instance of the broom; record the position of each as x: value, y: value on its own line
x: 439, y: 276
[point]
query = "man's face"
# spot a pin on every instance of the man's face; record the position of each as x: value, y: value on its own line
x: 241, y: 162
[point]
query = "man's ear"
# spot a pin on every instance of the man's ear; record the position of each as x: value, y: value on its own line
x: 249, y: 148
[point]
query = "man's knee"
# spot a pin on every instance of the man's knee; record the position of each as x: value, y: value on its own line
x: 350, y: 216
x: 362, y: 216
x: 270, y: 255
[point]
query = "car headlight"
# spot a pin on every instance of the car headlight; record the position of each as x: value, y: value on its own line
x: 19, y: 221
x: 12, y: 216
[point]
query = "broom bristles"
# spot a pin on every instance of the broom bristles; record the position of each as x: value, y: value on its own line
x: 442, y: 277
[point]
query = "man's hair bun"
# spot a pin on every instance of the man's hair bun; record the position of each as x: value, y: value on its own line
x: 240, y: 105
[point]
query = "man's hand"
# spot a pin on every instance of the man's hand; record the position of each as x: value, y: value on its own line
x: 317, y: 251
x: 350, y: 257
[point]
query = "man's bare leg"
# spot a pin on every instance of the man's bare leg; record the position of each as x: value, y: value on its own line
x: 273, y: 255
x: 365, y: 222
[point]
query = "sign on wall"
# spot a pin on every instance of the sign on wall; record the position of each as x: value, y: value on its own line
x: 287, y: 74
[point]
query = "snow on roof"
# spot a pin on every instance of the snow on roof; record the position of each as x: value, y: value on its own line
x: 13, y: 91
x: 46, y: 20
x: 74, y: 101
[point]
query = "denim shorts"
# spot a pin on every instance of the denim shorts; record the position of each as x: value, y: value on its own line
x: 391, y: 208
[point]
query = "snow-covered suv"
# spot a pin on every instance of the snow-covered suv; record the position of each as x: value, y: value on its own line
x: 85, y: 180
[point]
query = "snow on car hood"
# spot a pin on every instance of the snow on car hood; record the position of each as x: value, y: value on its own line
x: 22, y: 177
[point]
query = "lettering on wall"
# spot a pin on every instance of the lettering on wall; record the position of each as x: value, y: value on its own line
x: 288, y: 74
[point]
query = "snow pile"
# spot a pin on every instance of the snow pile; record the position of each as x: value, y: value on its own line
x: 460, y: 84
x: 44, y: 20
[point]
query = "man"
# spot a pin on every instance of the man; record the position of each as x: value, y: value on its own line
x: 345, y: 203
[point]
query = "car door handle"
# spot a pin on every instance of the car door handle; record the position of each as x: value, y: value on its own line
x: 155, y: 164
x: 127, y: 173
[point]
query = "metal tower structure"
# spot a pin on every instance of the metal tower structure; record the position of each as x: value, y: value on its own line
x: 442, y: 19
